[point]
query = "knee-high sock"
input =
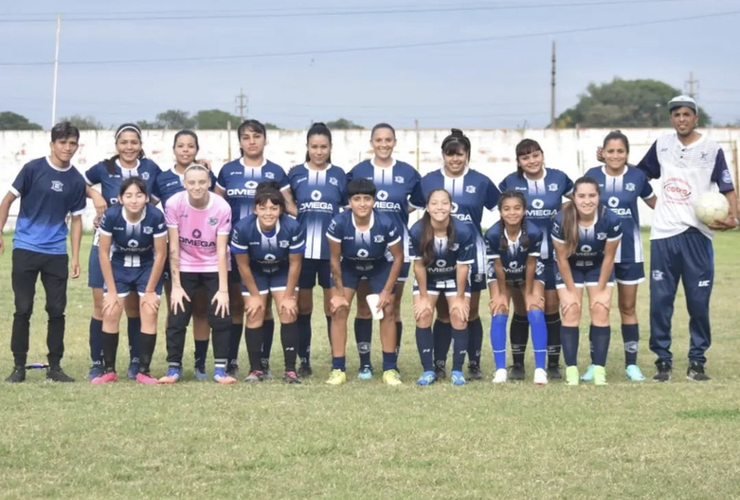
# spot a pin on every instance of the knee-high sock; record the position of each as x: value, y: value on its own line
x: 536, y: 320
x: 442, y: 339
x: 268, y: 333
x: 600, y: 336
x: 519, y: 336
x: 110, y: 349
x: 399, y: 336
x: 498, y: 339
x: 553, y: 338
x: 425, y: 345
x: 631, y: 338
x: 569, y: 336
x: 328, y: 328
x: 459, y: 348
x: 304, y: 341
x: 364, y: 338
x: 390, y: 360
x: 289, y: 338
x: 235, y: 340
x: 253, y: 337
x: 475, y: 341
x: 134, y: 332
x: 201, y: 353
x: 96, y: 343
x: 147, y: 342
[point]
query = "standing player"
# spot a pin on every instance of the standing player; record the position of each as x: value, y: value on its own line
x: 442, y: 249
x: 362, y: 242
x: 135, y: 232
x: 129, y: 161
x: 585, y: 236
x: 544, y: 189
x: 49, y: 189
x: 621, y: 188
x: 514, y: 246
x: 269, y: 249
x: 237, y: 182
x: 395, y: 181
x: 689, y: 165
x: 471, y: 192
x: 319, y: 190
x: 199, y: 224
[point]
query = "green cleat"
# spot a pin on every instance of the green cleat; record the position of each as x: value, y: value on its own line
x: 572, y: 376
x: 599, y: 375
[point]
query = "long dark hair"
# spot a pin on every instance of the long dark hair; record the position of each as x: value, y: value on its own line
x: 426, y: 240
x: 126, y: 127
x: 318, y: 128
x: 253, y: 125
x: 503, y: 240
x: 570, y: 216
x: 525, y: 147
x: 269, y: 191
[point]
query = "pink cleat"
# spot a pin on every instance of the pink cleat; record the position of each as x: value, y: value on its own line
x: 105, y: 378
x: 145, y: 378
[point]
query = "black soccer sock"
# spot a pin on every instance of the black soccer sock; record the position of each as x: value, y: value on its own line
x: 442, y: 333
x: 201, y: 353
x: 399, y: 336
x: 134, y: 332
x: 364, y: 338
x: 631, y: 338
x: 304, y: 342
x: 253, y: 338
x: 146, y: 344
x: 268, y: 334
x: 518, y: 337
x: 110, y: 349
x: 289, y: 338
x: 235, y: 339
x: 569, y: 336
x: 553, y: 338
x: 600, y: 336
x: 96, y: 344
x: 459, y: 348
x: 475, y: 341
x: 328, y: 328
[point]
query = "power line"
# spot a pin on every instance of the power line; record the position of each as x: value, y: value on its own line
x: 378, y: 47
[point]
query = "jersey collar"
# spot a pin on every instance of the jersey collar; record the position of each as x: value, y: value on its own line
x: 372, y: 221
x: 328, y: 166
x: 510, y: 241
x: 544, y: 174
x: 465, y: 172
x: 123, y: 214
x: 241, y: 162
x: 372, y: 162
x: 48, y: 162
x: 276, y: 229
x: 702, y: 138
x: 607, y: 174
x: 138, y: 164
x: 208, y: 205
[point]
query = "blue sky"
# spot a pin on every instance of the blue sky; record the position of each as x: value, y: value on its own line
x: 500, y: 82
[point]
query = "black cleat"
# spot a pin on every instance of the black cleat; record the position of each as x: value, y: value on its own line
x: 56, y: 374
x: 696, y: 372
x: 554, y: 372
x: 232, y: 370
x: 474, y: 372
x: 664, y: 372
x: 517, y: 372
x: 305, y: 370
x: 18, y: 375
x: 439, y: 370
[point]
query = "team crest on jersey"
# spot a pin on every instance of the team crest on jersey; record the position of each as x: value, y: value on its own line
x: 133, y: 243
x: 540, y: 268
x: 398, y: 179
x: 726, y: 177
x: 629, y: 186
x: 378, y: 238
x: 57, y: 186
x: 145, y: 176
x: 470, y: 189
x: 552, y: 187
x: 455, y: 246
x: 333, y: 181
x: 212, y: 221
x: 147, y: 229
x: 601, y: 236
x: 555, y: 227
x: 283, y: 243
x: 269, y: 175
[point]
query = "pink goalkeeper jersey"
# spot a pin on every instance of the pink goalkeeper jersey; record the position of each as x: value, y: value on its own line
x: 199, y: 229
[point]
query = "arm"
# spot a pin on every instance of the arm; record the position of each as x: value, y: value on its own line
x: 98, y: 201
x: 222, y: 295
x: 160, y: 256
x: 564, y: 266
x: 335, y: 249
x: 220, y: 191
x: 651, y: 201
x: 290, y: 207
x: 110, y: 301
x: 607, y: 265
x: 295, y: 261
x: 386, y: 296
x: 178, y: 294
x: 242, y: 262
x: 499, y: 300
x: 4, y: 211
x: 75, y: 236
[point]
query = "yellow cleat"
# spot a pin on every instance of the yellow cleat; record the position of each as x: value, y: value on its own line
x: 391, y: 377
x: 337, y: 377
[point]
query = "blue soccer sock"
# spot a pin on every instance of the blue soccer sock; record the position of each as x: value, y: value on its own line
x: 631, y: 338
x: 425, y: 345
x: 389, y: 360
x: 96, y: 342
x: 600, y: 336
x: 339, y: 363
x: 442, y: 339
x: 569, y: 338
x: 364, y: 338
x: 134, y: 333
x: 536, y: 320
x: 459, y: 348
x: 498, y: 339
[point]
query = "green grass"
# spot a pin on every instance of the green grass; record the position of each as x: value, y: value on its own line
x: 365, y: 440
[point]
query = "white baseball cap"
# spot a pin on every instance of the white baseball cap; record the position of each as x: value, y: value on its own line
x: 683, y: 100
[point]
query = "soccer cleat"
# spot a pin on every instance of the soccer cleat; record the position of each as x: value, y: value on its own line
x: 105, y: 378
x: 501, y: 376
x: 291, y: 378
x: 554, y: 372
x: 174, y: 374
x: 233, y: 369
x: 440, y: 370
x: 365, y: 373
x: 457, y: 378
x: 255, y: 376
x: 305, y: 370
x: 517, y: 372
x: 634, y: 373
x: 540, y: 376
x: 663, y: 373
x: 266, y: 373
x: 391, y: 377
x: 221, y: 377
x: 589, y: 375
x: 95, y: 371
x: 599, y: 375
x: 696, y: 372
x: 56, y: 374
x: 199, y: 373
x: 427, y: 378
x: 132, y: 371
x: 571, y: 375
x: 18, y: 375
x: 474, y: 372
x: 337, y: 377
x: 146, y: 379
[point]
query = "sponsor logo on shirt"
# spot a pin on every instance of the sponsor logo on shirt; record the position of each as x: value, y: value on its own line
x: 613, y: 201
x: 362, y: 253
x: 382, y: 195
x: 269, y: 257
x: 133, y: 243
x: 197, y: 234
x: 703, y: 284
x: 677, y: 190
x: 316, y: 195
x: 57, y: 186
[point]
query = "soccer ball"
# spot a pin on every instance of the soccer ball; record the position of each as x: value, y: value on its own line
x: 711, y: 207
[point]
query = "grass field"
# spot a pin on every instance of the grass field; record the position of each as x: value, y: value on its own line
x: 365, y: 440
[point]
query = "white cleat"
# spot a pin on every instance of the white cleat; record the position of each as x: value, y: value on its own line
x: 540, y: 376
x: 501, y: 376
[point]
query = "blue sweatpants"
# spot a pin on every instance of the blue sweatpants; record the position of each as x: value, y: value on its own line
x: 689, y: 257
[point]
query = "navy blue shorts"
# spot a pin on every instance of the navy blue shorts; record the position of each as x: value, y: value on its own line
x: 311, y: 269
x: 269, y: 278
x: 405, y: 269
x: 520, y: 278
x: 130, y: 279
x: 588, y: 276
x: 446, y: 287
x: 94, y: 274
x: 548, y: 274
x: 629, y: 273
x: 234, y: 276
x: 376, y: 277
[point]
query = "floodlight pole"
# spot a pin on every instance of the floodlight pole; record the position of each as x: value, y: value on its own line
x: 56, y: 73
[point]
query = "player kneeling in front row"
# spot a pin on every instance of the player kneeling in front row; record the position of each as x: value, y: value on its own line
x: 442, y: 249
x: 585, y: 236
x: 268, y: 246
x: 514, y: 247
x: 136, y: 231
x: 365, y: 245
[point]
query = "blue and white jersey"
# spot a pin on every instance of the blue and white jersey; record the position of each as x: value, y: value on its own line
x: 239, y: 183
x: 620, y: 195
x: 446, y: 255
x: 47, y: 195
x: 687, y: 172
x: 544, y: 199
x: 395, y: 185
x: 267, y: 250
x: 169, y: 183
x: 319, y: 195
x: 361, y: 248
x: 110, y: 181
x: 592, y: 239
x: 132, y: 244
x: 514, y: 257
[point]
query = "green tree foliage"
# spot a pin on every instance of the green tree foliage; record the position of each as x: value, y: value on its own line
x: 624, y: 103
x: 175, y: 119
x: 215, y: 119
x: 13, y: 121
x: 342, y: 123
x: 87, y: 122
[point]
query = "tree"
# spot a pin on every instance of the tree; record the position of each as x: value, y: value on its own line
x: 175, y: 119
x: 215, y: 119
x: 624, y: 103
x: 146, y: 125
x: 271, y: 126
x: 342, y: 123
x: 13, y: 121
x: 87, y: 122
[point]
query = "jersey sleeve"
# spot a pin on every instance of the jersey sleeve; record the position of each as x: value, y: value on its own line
x: 93, y: 174
x: 414, y: 244
x: 23, y: 182
x: 394, y: 235
x: 721, y: 174
x: 298, y: 239
x: 160, y: 225
x: 239, y: 237
x: 343, y: 198
x: 492, y: 195
x: 79, y: 203
x: 214, y: 181
x: 466, y: 250
x: 650, y: 164
x: 614, y: 230
x: 221, y: 179
x: 503, y: 185
x: 156, y: 192
x: 170, y: 215
x: 105, y: 225
x: 647, y: 190
x: 417, y: 197
x: 335, y: 231
x: 224, y: 220
x: 556, y: 229
x: 568, y: 185
x: 492, y: 243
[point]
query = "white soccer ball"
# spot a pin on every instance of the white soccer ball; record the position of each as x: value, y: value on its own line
x: 711, y: 207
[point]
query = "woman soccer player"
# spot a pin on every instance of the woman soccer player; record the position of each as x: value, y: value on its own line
x: 544, y: 189
x: 169, y: 183
x: 237, y: 182
x: 442, y: 249
x: 471, y: 192
x: 362, y: 241
x: 395, y: 181
x: 269, y: 246
x: 621, y: 187
x: 585, y: 237
x: 514, y: 247
x: 136, y: 231
x: 129, y: 161
x: 319, y: 190
x: 199, y: 224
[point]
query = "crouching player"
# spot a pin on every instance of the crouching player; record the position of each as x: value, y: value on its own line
x: 268, y: 246
x: 135, y: 229
x: 364, y: 245
x: 585, y: 235
x: 515, y: 274
x: 442, y: 249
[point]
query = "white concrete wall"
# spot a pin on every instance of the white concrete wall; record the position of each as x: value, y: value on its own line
x: 570, y: 150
